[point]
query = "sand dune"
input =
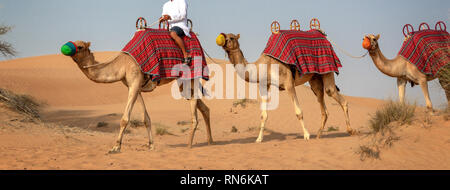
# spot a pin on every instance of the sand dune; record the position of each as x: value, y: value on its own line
x: 69, y: 136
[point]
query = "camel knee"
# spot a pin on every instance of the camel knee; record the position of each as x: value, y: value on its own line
x: 194, y: 123
x: 300, y: 116
x: 264, y: 116
x: 124, y: 122
x: 344, y: 104
x: 330, y: 91
x: 325, y: 116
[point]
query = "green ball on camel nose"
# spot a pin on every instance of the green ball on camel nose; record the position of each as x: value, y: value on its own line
x: 69, y: 49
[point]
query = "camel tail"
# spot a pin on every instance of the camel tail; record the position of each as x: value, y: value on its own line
x: 203, y: 90
x: 412, y: 84
x: 337, y: 88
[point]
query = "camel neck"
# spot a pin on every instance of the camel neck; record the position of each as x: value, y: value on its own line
x: 103, y: 73
x: 382, y: 63
x: 237, y: 57
x: 240, y: 64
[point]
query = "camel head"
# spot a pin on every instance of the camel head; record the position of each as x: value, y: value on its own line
x: 228, y: 42
x: 77, y: 50
x: 370, y: 42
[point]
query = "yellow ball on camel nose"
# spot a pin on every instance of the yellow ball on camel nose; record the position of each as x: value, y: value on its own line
x: 220, y: 40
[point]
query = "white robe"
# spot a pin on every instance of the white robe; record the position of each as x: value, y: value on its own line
x: 177, y: 10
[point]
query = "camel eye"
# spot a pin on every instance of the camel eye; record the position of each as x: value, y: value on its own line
x: 80, y: 47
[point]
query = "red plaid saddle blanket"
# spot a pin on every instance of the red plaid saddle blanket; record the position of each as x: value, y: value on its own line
x: 429, y: 50
x: 158, y: 56
x: 309, y: 51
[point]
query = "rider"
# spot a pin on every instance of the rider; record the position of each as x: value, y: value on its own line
x: 175, y: 13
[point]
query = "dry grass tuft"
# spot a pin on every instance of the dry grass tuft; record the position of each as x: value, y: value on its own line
x: 391, y: 112
x: 243, y: 102
x: 331, y: 129
x: 161, y: 129
x: 20, y: 103
x: 368, y: 152
x: 234, y: 129
x: 102, y: 124
x: 382, y: 135
x: 136, y: 123
x: 447, y: 114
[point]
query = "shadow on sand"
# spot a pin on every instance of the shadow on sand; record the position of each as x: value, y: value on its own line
x: 84, y: 119
x: 272, y: 136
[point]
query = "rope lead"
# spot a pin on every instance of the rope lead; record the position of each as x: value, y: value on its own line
x: 345, y: 52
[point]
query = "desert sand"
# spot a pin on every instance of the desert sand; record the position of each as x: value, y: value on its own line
x: 68, y: 137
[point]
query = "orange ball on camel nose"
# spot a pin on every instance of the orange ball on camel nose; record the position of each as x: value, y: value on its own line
x: 366, y: 43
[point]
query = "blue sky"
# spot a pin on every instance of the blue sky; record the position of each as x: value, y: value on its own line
x: 41, y: 27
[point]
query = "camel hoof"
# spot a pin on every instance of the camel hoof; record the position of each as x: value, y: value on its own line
x: 211, y: 143
x: 431, y: 112
x: 306, y: 136
x: 258, y: 140
x: 352, y: 132
x: 319, y: 133
x: 151, y: 147
x: 114, y: 150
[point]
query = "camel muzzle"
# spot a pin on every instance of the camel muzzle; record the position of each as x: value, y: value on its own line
x: 69, y: 49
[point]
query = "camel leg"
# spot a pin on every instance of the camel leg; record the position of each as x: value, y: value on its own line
x: 317, y: 88
x: 298, y: 111
x: 330, y: 89
x: 263, y: 118
x: 204, y: 110
x: 401, y: 84
x: 193, y: 103
x: 147, y: 122
x: 133, y: 92
x: 424, y: 85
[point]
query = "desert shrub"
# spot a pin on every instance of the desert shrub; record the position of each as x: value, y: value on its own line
x: 20, y: 103
x: 184, y: 122
x: 446, y: 113
x: 391, y: 112
x: 162, y: 129
x: 331, y: 129
x: 382, y: 134
x: 243, y: 102
x: 136, y: 123
x: 368, y: 152
x: 6, y: 49
x: 234, y: 129
x: 102, y: 124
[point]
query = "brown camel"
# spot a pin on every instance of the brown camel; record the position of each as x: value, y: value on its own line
x: 124, y: 68
x: 403, y: 70
x: 319, y: 84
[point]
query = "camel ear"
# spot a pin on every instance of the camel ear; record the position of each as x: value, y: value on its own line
x: 238, y: 36
x: 377, y: 36
x: 88, y: 44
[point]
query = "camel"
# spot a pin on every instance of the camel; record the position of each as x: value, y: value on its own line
x: 320, y: 84
x: 403, y: 70
x: 124, y: 68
